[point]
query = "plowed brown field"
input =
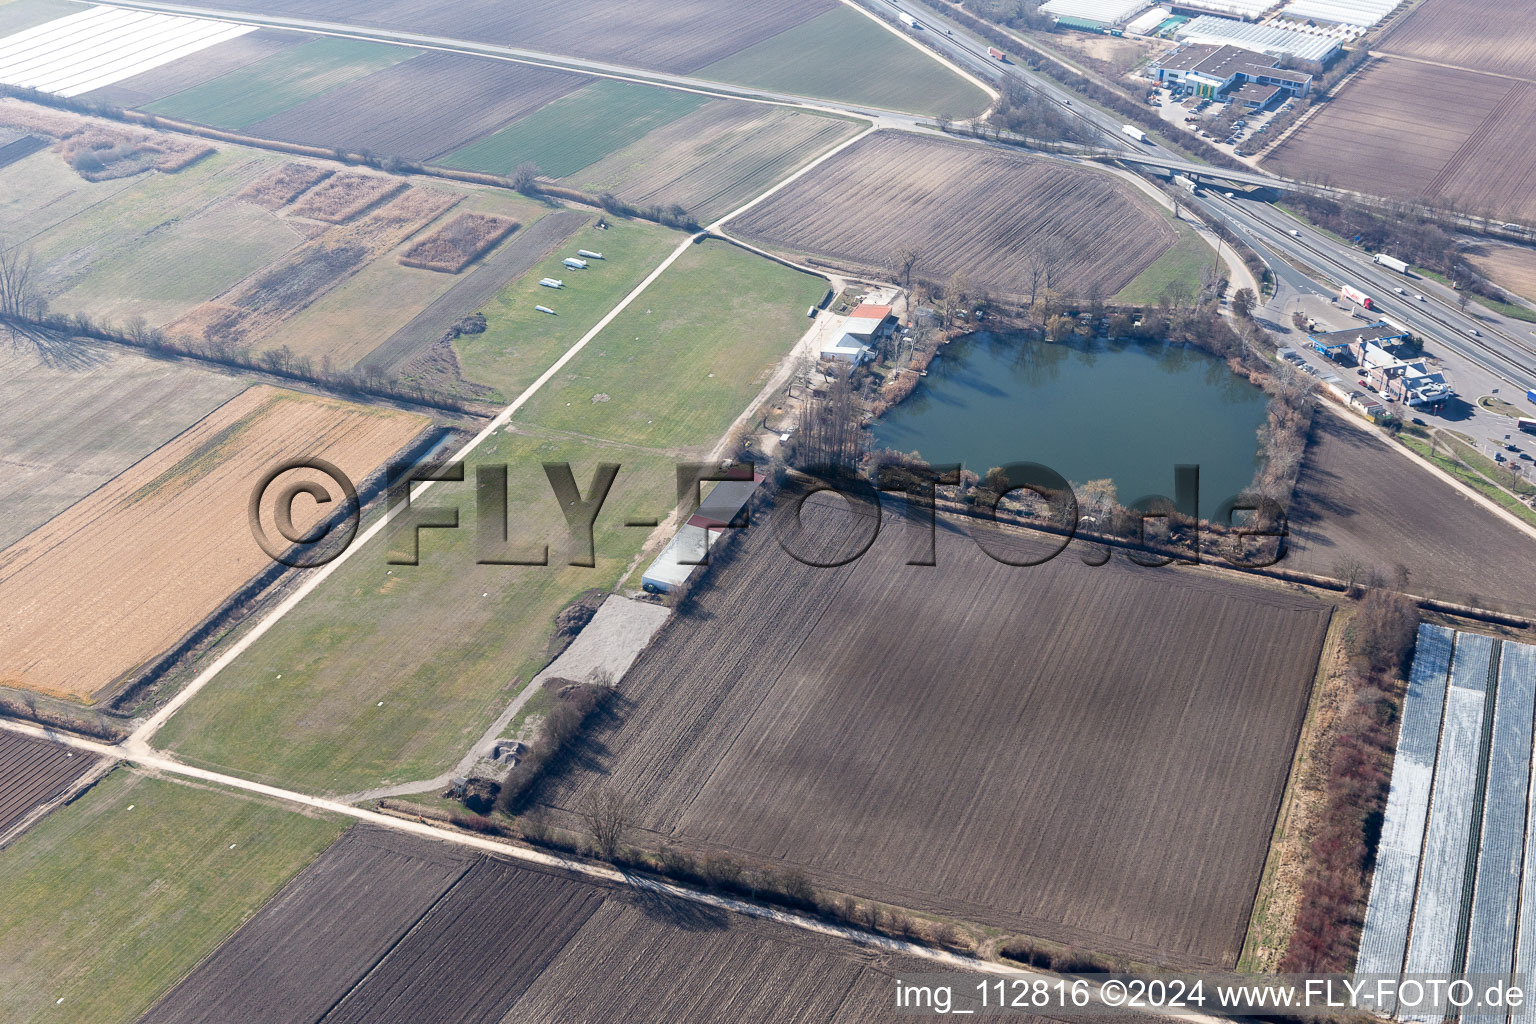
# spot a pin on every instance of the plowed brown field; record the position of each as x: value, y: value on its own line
x: 1356, y: 499
x: 510, y: 943
x: 1484, y: 35
x: 1092, y: 755
x: 33, y: 771
x: 1375, y: 137
x: 121, y: 576
x: 968, y: 210
x: 665, y: 35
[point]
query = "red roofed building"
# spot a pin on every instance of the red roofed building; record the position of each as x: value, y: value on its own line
x: 864, y: 328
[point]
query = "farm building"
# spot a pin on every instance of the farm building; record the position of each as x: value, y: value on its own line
x: 690, y: 546
x: 1093, y: 15
x: 1232, y: 73
x: 1247, y: 9
x: 865, y: 328
x: 1276, y: 42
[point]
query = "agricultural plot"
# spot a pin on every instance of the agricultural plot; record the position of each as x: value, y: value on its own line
x: 1492, y: 925
x: 576, y: 130
x: 70, y: 426
x: 20, y: 15
x: 677, y: 367
x: 715, y: 159
x: 1094, y: 773
x: 1474, y: 876
x: 284, y: 80
x: 845, y: 55
x: 141, y: 872
x: 317, y: 938
x: 1483, y: 35
x: 557, y: 943
x: 126, y: 573
x: 1006, y: 223
x: 1438, y: 904
x: 444, y: 645
x: 1357, y: 500
x: 663, y: 35
x: 181, y: 266
x: 1384, y: 940
x: 349, y: 321
x: 520, y: 342
x: 1475, y: 160
x: 180, y: 75
x: 120, y: 220
x: 40, y: 191
x: 32, y: 772
x: 279, y: 292
x: 98, y: 46
x: 420, y: 108
x: 526, y: 248
x: 1511, y: 267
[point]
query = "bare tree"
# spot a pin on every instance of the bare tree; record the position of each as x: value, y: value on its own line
x: 908, y: 259
x: 526, y: 178
x: 831, y: 434
x: 19, y: 296
x: 1243, y: 302
x: 608, y: 815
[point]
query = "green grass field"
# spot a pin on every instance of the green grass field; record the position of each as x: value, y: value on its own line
x: 444, y: 645
x: 576, y: 130
x: 107, y: 907
x: 122, y: 222
x: 844, y: 55
x: 1181, y: 264
x: 286, y: 79
x: 388, y: 673
x: 187, y: 263
x: 685, y: 359
x: 520, y: 343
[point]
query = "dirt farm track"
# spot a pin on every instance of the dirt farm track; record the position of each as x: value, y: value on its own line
x: 1098, y: 761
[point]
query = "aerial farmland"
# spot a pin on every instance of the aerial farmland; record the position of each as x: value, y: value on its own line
x: 973, y: 213
x: 708, y: 511
x: 808, y: 729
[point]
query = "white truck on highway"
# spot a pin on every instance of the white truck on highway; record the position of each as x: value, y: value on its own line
x: 1134, y: 132
x: 909, y: 21
x: 1391, y: 262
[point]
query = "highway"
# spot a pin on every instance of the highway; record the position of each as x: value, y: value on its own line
x: 1505, y: 346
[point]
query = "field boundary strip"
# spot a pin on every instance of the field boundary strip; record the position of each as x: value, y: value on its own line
x: 170, y: 766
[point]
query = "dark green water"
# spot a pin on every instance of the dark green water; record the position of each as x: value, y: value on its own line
x: 1128, y: 413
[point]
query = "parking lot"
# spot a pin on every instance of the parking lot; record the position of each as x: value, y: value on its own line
x: 1223, y: 125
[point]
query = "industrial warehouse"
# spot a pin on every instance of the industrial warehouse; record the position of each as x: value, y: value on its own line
x: 1230, y: 72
